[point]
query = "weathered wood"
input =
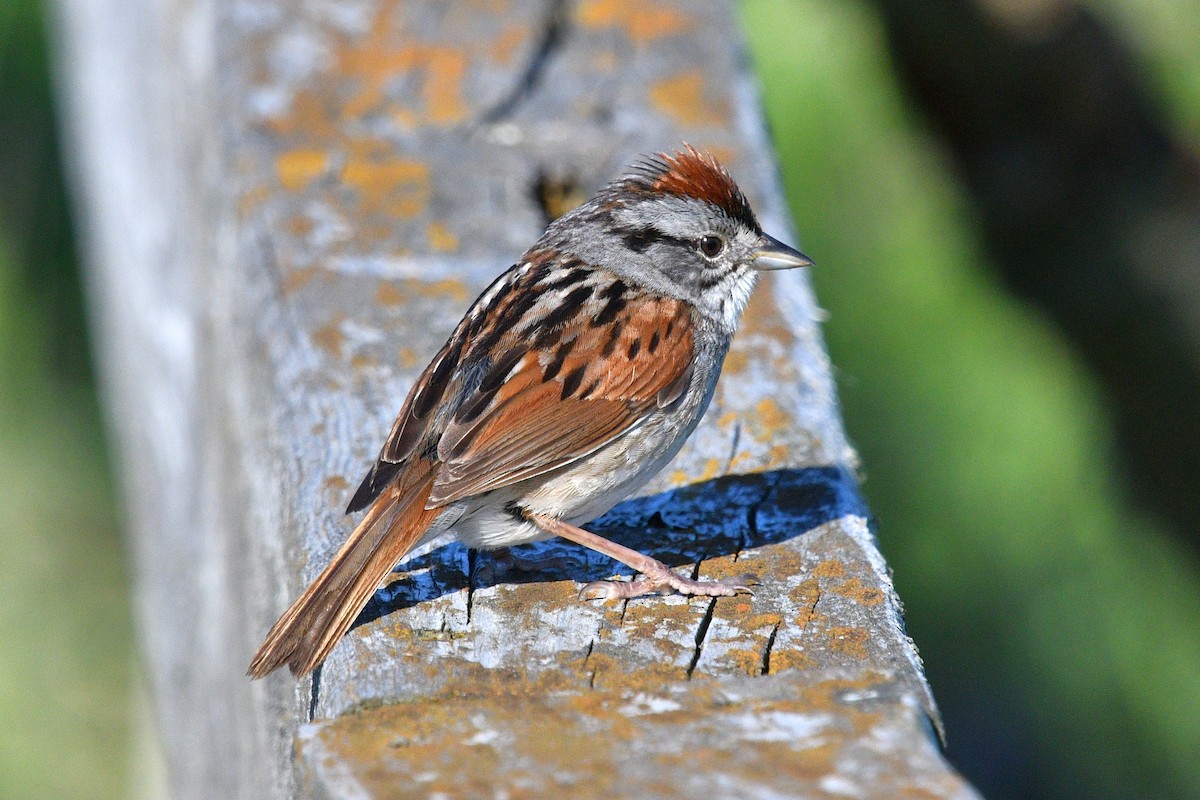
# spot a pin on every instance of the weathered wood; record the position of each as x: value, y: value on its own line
x: 290, y: 205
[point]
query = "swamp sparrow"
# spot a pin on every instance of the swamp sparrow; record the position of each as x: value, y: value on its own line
x: 573, y: 379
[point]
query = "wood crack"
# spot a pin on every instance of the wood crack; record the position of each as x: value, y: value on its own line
x: 765, y: 669
x: 270, y: 262
x: 554, y: 31
x: 701, y: 633
x: 733, y: 448
x: 472, y: 558
x: 809, y: 611
x: 314, y: 693
x: 588, y: 657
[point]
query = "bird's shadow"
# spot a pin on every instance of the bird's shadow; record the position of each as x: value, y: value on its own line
x: 681, y: 526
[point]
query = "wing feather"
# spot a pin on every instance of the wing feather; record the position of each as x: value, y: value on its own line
x: 550, y: 364
x: 536, y: 425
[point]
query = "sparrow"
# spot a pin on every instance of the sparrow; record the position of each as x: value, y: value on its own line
x: 573, y: 379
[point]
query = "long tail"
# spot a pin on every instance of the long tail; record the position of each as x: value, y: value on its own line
x: 309, y: 629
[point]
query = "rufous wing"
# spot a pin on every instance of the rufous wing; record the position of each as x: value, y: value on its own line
x: 568, y: 397
x: 549, y: 365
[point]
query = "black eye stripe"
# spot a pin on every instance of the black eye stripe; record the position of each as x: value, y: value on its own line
x: 639, y: 240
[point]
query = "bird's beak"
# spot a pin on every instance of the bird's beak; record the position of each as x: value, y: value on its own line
x: 773, y: 254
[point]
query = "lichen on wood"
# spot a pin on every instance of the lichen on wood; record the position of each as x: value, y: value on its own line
x: 292, y: 205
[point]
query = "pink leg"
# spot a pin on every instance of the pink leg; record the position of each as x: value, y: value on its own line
x: 656, y: 576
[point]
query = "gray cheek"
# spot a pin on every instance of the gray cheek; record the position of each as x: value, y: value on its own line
x: 681, y: 269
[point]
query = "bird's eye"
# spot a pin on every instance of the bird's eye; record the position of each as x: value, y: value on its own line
x: 711, y: 245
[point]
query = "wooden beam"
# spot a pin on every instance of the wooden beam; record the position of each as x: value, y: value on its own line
x: 288, y: 206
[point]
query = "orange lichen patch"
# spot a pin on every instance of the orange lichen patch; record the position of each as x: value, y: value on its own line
x: 645, y: 621
x: 641, y: 22
x: 379, y: 233
x: 445, y: 68
x: 735, y: 464
x: 722, y: 153
x: 312, y: 113
x: 756, y: 622
x: 296, y: 169
x: 388, y: 294
x: 747, y: 662
x: 385, y: 53
x: 335, y: 483
x: 816, y: 762
x: 806, y: 595
x: 721, y: 567
x: 712, y: 469
x: 406, y: 119
x: 789, y: 765
x: 252, y: 199
x: 736, y: 362
x: 520, y: 735
x: 445, y: 287
x: 408, y: 357
x: 600, y: 707
x: 572, y: 661
x: 611, y: 673
x: 849, y: 640
x: 361, y: 361
x: 506, y: 45
x: 329, y: 337
x: 441, y: 240
x: 547, y: 594
x: 787, y: 561
x: 828, y: 695
x: 296, y: 279
x: 770, y: 419
x: 297, y: 225
x: 782, y: 660
x: 856, y: 591
x: 398, y: 631
x: 683, y: 99
x: 369, y: 148
x: 830, y: 568
x: 397, y: 187
x: 777, y: 456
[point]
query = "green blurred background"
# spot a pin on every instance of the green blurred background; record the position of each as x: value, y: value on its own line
x: 66, y: 644
x: 1051, y: 585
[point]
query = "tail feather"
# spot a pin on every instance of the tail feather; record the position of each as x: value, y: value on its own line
x: 313, y: 624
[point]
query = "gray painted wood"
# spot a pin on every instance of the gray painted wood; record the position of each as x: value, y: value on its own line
x: 287, y: 208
